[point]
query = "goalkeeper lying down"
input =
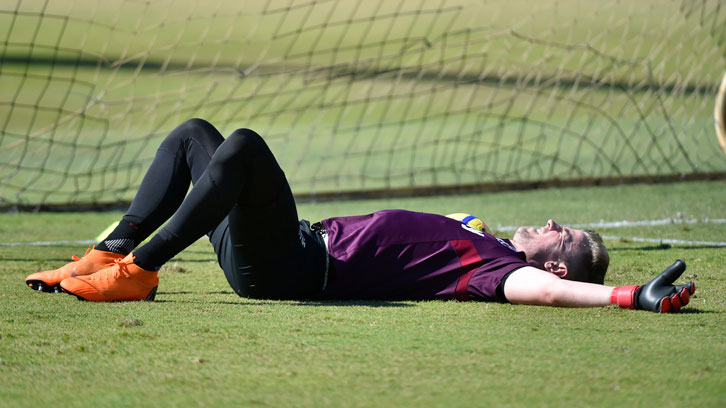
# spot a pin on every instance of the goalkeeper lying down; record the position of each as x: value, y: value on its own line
x: 241, y: 200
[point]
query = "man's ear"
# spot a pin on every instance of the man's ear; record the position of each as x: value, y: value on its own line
x: 558, y: 268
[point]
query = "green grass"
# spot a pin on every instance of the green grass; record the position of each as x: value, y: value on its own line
x: 199, y: 344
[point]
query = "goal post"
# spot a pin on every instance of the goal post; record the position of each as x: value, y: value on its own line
x: 361, y: 98
x: 719, y: 114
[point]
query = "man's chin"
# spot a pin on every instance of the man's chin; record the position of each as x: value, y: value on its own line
x: 520, y: 234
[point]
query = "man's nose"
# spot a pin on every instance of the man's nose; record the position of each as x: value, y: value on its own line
x: 552, y: 225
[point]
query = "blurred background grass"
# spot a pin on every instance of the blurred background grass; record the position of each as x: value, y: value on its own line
x: 359, y: 96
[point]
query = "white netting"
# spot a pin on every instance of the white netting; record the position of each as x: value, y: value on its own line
x: 360, y: 95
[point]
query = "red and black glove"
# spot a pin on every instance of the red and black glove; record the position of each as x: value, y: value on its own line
x: 658, y: 295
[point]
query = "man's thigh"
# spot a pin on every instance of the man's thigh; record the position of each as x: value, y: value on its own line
x: 266, y: 252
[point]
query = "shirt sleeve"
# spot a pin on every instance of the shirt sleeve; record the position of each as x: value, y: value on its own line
x: 500, y: 289
x: 487, y: 284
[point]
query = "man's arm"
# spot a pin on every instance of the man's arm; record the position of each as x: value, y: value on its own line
x: 532, y: 286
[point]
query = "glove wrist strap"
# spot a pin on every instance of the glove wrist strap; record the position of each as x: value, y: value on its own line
x: 624, y: 296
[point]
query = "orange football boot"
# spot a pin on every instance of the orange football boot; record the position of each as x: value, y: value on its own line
x: 124, y: 280
x: 93, y: 261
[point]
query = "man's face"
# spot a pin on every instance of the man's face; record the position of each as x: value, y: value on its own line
x: 552, y: 242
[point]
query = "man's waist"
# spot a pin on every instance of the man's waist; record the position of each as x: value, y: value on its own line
x: 319, y: 229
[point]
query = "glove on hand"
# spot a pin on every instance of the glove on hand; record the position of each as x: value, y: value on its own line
x: 658, y: 295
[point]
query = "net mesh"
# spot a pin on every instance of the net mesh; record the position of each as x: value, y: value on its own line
x: 360, y: 96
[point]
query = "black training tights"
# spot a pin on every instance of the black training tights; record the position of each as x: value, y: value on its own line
x: 240, y: 199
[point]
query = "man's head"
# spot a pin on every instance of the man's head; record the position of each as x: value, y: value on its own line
x: 568, y: 253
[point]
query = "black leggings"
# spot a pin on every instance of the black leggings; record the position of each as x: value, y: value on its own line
x: 241, y: 200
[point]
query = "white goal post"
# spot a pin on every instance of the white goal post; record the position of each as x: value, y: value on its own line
x: 719, y: 114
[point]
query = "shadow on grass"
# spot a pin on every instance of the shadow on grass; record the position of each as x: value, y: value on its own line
x: 328, y: 303
x: 663, y: 247
x: 349, y: 303
x: 61, y: 261
x: 690, y: 310
x: 186, y: 292
x: 367, y: 303
x: 210, y: 259
x: 273, y: 302
x: 67, y: 259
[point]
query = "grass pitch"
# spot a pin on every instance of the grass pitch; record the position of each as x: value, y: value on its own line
x: 199, y: 344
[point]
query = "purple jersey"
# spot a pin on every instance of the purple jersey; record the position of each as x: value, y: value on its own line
x: 397, y: 254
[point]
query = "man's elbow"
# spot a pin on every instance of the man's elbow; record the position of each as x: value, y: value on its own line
x: 550, y: 295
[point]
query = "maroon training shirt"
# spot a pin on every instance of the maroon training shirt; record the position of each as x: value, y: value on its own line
x: 398, y: 254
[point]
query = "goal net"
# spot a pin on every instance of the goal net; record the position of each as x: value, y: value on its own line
x: 361, y: 97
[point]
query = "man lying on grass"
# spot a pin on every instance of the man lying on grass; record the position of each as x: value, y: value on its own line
x: 242, y: 201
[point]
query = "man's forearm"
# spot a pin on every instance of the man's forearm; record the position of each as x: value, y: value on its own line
x: 580, y: 294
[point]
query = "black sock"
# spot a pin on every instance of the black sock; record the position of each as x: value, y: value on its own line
x: 124, y: 238
x: 155, y: 253
x: 205, y: 207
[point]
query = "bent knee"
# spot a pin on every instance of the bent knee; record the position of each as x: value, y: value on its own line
x: 246, y: 136
x: 194, y: 126
x: 198, y: 129
x: 242, y: 146
x: 242, y: 140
